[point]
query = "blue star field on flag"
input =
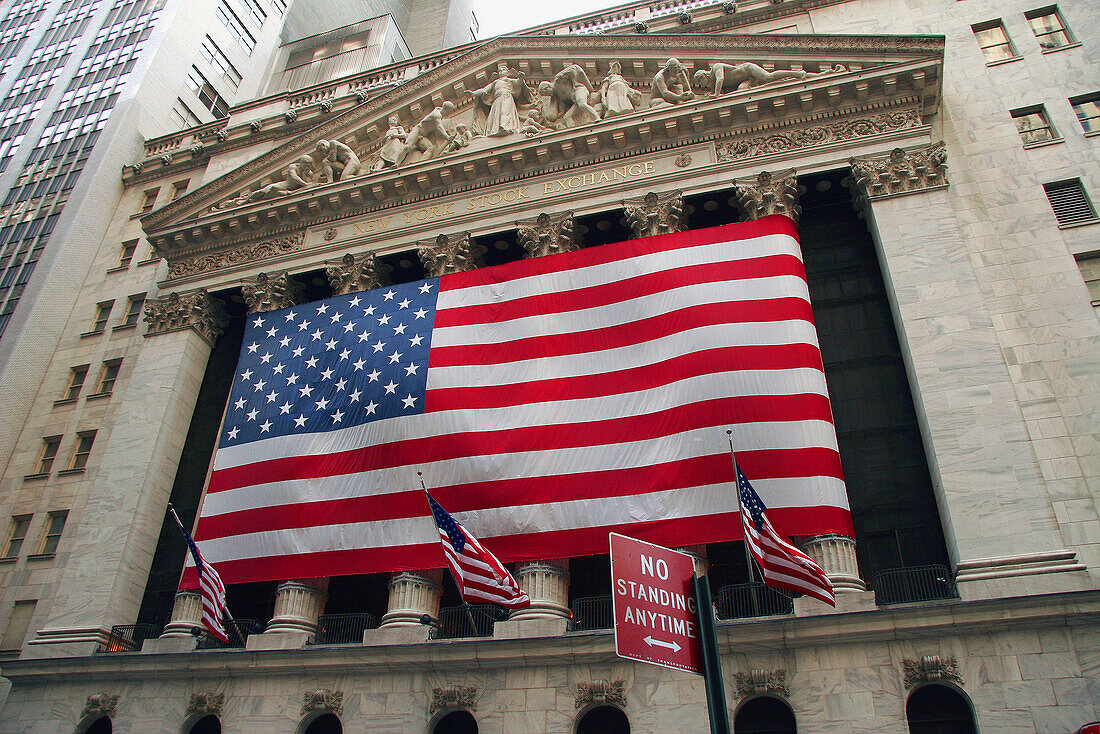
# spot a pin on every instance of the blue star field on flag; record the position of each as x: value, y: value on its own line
x: 331, y: 364
x: 447, y: 524
x: 750, y: 500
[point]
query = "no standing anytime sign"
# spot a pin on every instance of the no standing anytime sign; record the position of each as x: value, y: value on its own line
x: 656, y: 619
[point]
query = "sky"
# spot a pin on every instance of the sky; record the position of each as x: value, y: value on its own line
x: 504, y: 16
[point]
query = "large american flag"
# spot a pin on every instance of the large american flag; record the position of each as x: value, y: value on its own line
x: 547, y: 402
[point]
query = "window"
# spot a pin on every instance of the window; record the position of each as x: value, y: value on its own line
x: 236, y: 29
x: 1033, y: 125
x: 179, y: 188
x: 1049, y: 28
x: 107, y: 377
x: 934, y: 709
x: 76, y: 381
x: 17, y: 535
x: 764, y: 715
x: 217, y: 59
x: 280, y: 6
x: 128, y: 249
x: 102, y: 313
x: 1070, y: 203
x: 133, y: 310
x: 206, y: 93
x: 993, y: 40
x: 20, y: 622
x: 83, y: 449
x: 253, y: 10
x: 1087, y: 108
x: 149, y: 200
x: 50, y: 444
x: 55, y: 524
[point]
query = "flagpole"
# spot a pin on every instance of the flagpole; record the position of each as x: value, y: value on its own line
x: 465, y: 604
x: 179, y: 523
x: 745, y: 541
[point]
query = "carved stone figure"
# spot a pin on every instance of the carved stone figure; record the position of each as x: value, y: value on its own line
x: 451, y: 255
x: 570, y: 90
x: 460, y: 139
x: 298, y: 175
x: 616, y: 95
x: 497, y: 103
x: 671, y: 85
x: 722, y: 78
x: 338, y: 161
x: 392, y: 144
x: 548, y: 235
x: 429, y: 136
x: 654, y: 214
x: 323, y: 699
x: 101, y: 704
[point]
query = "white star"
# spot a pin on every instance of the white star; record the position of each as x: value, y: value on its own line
x: 292, y: 378
x: 355, y: 301
x: 374, y: 375
x: 420, y: 313
x: 246, y: 375
x: 404, y: 304
x: 260, y: 385
x: 265, y: 358
x: 337, y: 416
x: 330, y: 345
x: 322, y: 308
x: 370, y: 407
x: 391, y: 388
x: 300, y: 421
x: 303, y: 326
x: 399, y: 329
x: 284, y: 409
x: 291, y: 316
x: 306, y: 391
x: 359, y: 364
x: 341, y: 384
x: 345, y: 354
x: 364, y: 336
x: 317, y: 335
x: 349, y: 326
x: 265, y: 426
x: 368, y: 311
x: 388, y: 295
x: 253, y: 347
x: 326, y: 374
x: 415, y: 341
x: 311, y: 362
x: 385, y: 319
x: 299, y: 351
x: 395, y: 357
x: 279, y: 368
x: 411, y: 369
x: 322, y: 403
x: 284, y: 342
x: 354, y: 397
x: 379, y: 346
x: 336, y: 317
x: 426, y: 288
x: 258, y: 322
x: 271, y: 331
x: 233, y: 433
x: 408, y: 400
x: 239, y: 405
x: 272, y: 396
x: 252, y: 414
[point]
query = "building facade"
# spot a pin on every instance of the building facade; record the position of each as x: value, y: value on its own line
x: 938, y: 159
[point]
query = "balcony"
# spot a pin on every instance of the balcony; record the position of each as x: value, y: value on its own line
x: 914, y: 584
x: 129, y: 637
x: 237, y: 630
x: 593, y: 613
x: 343, y: 629
x: 742, y: 601
x: 468, y: 620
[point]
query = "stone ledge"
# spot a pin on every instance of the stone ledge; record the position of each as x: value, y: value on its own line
x: 278, y: 641
x: 518, y: 629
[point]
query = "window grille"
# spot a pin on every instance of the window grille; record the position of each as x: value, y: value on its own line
x: 1070, y: 203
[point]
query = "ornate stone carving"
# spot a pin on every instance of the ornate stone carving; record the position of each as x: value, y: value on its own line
x: 323, y: 699
x: 641, y: 26
x: 547, y: 235
x: 270, y: 293
x: 206, y: 702
x: 166, y: 159
x: 883, y: 122
x: 255, y: 126
x: 768, y: 193
x: 197, y: 150
x: 722, y: 77
x: 222, y: 134
x: 450, y: 254
x: 325, y: 107
x: 683, y: 160
x: 902, y: 172
x: 496, y: 109
x: 361, y: 97
x: 617, y: 97
x: 931, y: 668
x: 729, y: 8
x: 290, y: 116
x: 758, y: 681
x: 338, y: 161
x: 453, y: 697
x: 392, y: 143
x: 298, y: 175
x: 684, y: 17
x: 100, y: 704
x: 656, y: 214
x: 352, y: 274
x: 136, y: 168
x: 430, y: 136
x: 670, y: 85
x: 252, y: 252
x: 601, y: 692
x: 198, y: 310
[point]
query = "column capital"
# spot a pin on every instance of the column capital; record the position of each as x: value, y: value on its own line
x: 197, y: 310
x: 901, y: 171
x: 450, y: 254
x: 767, y: 193
x: 655, y: 213
x: 352, y: 273
x: 271, y: 292
x: 548, y: 234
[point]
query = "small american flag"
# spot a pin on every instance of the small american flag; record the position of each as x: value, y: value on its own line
x: 211, y: 588
x: 481, y: 578
x: 781, y: 563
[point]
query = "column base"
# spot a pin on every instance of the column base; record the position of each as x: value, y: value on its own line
x: 282, y: 640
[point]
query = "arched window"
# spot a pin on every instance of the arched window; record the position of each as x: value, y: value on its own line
x: 206, y: 725
x: 325, y: 724
x: 456, y: 722
x: 101, y: 725
x: 936, y: 709
x: 764, y: 715
x: 604, y: 720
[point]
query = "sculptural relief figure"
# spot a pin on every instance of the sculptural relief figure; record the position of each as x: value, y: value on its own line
x: 497, y: 104
x: 722, y: 77
x: 617, y: 96
x: 670, y: 85
x: 570, y: 90
x: 298, y: 175
x: 460, y: 139
x: 430, y: 136
x: 392, y: 144
x: 338, y: 161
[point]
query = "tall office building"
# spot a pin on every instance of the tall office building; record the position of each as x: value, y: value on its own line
x: 939, y: 161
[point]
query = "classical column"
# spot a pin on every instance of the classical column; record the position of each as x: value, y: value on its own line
x: 654, y: 214
x: 354, y: 274
x: 547, y: 583
x: 186, y: 614
x: 298, y: 604
x: 836, y: 554
x: 412, y: 595
x: 548, y: 234
x: 768, y: 193
x: 987, y: 477
x: 450, y: 254
x: 271, y: 292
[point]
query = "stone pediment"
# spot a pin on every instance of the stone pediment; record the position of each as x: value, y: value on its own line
x: 515, y: 107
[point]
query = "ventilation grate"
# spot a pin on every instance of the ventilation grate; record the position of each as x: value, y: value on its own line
x: 1070, y: 204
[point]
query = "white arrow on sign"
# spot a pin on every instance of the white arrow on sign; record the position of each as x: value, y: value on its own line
x: 661, y: 643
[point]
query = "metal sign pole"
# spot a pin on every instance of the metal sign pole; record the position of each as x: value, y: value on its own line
x: 712, y: 664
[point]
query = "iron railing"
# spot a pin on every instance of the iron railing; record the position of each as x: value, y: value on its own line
x: 468, y: 620
x: 741, y: 601
x: 593, y: 613
x: 129, y: 637
x: 916, y: 583
x: 237, y: 630
x: 343, y: 629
